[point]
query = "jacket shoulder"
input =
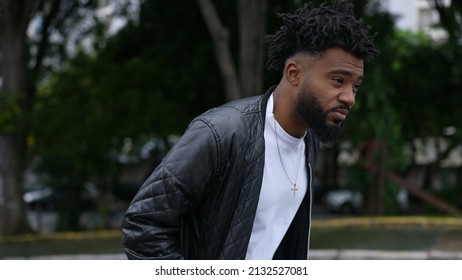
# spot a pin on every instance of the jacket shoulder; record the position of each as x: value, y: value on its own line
x: 236, y: 116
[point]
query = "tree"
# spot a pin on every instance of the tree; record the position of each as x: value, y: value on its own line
x: 242, y: 76
x: 220, y: 36
x: 252, y: 22
x: 22, y: 67
x: 403, y: 81
x: 433, y: 62
x: 450, y: 18
x: 91, y: 110
x: 141, y: 84
x: 14, y: 102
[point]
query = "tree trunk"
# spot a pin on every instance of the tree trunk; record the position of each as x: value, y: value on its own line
x: 330, y: 167
x: 70, y: 208
x: 376, y: 152
x: 14, y: 19
x: 252, y: 22
x: 220, y: 37
x: 459, y: 186
x: 12, y: 214
x: 426, y: 197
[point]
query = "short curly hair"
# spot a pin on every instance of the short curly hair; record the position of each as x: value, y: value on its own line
x: 313, y: 30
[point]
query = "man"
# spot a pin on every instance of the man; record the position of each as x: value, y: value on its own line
x: 238, y: 184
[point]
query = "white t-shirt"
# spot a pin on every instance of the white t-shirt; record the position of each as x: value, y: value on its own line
x: 277, y: 204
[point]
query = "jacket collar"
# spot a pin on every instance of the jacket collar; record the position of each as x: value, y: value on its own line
x: 264, y: 103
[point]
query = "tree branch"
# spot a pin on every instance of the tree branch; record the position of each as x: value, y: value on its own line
x: 252, y: 22
x: 45, y: 35
x: 220, y: 37
x: 448, y: 18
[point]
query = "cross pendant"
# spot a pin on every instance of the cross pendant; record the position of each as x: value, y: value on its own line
x: 294, y: 188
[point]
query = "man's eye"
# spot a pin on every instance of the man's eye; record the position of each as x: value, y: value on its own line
x: 338, y: 80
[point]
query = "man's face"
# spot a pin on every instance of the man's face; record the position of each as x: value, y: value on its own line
x: 328, y: 92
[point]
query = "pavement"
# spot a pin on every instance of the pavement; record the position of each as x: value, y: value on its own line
x: 384, y: 255
x: 328, y: 254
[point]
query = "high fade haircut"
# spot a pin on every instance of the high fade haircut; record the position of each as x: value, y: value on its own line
x: 313, y: 30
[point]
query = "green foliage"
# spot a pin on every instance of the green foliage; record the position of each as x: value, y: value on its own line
x: 427, y: 85
x: 10, y: 112
x: 411, y: 91
x: 375, y: 117
x: 147, y: 81
x: 90, y: 109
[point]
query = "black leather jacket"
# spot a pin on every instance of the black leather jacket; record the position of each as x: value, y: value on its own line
x: 200, y: 202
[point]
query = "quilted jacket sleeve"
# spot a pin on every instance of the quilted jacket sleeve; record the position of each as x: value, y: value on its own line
x: 153, y: 220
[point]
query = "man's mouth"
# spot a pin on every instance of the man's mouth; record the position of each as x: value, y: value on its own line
x: 340, y: 114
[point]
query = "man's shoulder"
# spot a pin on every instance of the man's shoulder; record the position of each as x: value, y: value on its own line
x: 234, y: 118
x: 234, y: 110
x: 244, y: 103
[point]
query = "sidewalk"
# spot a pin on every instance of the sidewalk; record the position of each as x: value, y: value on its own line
x: 384, y: 255
x: 314, y: 255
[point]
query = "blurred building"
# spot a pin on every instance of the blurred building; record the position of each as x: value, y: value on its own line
x: 417, y: 16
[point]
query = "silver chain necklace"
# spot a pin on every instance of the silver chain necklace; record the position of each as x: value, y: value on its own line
x: 294, y: 183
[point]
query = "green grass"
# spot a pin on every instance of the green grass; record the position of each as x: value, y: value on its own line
x: 407, y: 239
x: 413, y: 233
x: 102, y: 242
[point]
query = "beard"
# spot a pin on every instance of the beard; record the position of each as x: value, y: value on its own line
x: 310, y: 110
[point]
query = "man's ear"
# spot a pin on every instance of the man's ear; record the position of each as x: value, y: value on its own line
x: 292, y: 72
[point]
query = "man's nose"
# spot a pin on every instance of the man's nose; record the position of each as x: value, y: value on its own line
x: 348, y: 97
